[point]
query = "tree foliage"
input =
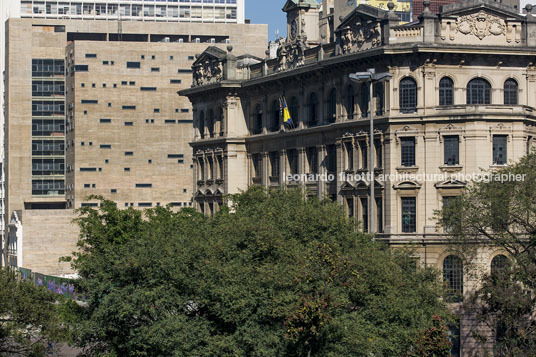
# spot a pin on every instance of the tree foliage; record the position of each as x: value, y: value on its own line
x: 434, y: 341
x: 502, y: 215
x: 273, y: 275
x: 30, y: 317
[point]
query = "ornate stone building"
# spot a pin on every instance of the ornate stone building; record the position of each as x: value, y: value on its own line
x: 461, y: 100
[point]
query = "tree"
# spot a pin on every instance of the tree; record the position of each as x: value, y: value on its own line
x: 272, y: 275
x: 501, y: 213
x: 30, y: 317
x: 434, y: 341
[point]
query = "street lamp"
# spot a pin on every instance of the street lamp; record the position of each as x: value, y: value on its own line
x: 370, y: 77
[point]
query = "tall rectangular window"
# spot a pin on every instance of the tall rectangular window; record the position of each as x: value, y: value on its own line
x: 409, y: 214
x: 350, y: 206
x: 349, y: 150
x: 312, y: 160
x: 331, y: 151
x: 220, y: 167
x: 274, y: 164
x: 452, y: 150
x: 364, y: 213
x: 379, y: 213
x: 408, y: 151
x: 257, y: 165
x: 379, y: 153
x: 364, y: 154
x: 292, y: 156
x: 446, y: 201
x: 499, y: 149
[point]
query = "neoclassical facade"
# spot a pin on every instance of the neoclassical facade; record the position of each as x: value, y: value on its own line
x: 460, y: 102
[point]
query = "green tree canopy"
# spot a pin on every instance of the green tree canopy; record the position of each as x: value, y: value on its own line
x: 30, y: 317
x: 273, y: 275
x: 501, y: 214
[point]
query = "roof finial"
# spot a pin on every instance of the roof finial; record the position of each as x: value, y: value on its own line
x: 390, y: 5
x: 528, y: 8
x: 426, y: 4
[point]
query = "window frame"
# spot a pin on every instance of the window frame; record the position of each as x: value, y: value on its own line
x: 451, y: 150
x: 511, y: 92
x: 409, y: 155
x: 408, y: 203
x: 408, y: 93
x: 495, y: 146
x: 453, y: 277
x: 478, y: 91
x: 446, y: 92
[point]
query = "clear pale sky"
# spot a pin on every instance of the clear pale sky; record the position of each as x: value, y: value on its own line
x: 268, y: 12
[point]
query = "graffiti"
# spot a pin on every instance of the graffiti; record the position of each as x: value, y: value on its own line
x: 60, y: 286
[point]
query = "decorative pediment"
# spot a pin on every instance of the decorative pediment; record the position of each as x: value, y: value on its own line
x: 208, y: 68
x: 209, y: 192
x: 199, y: 193
x: 450, y: 129
x: 451, y: 184
x: 361, y: 185
x: 407, y: 185
x: 473, y: 6
x: 472, y: 22
x: 212, y: 53
x: 346, y: 186
x: 361, y: 29
x: 500, y: 129
x: 405, y: 132
x: 293, y: 4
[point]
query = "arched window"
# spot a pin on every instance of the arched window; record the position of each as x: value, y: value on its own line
x: 350, y: 103
x: 257, y: 120
x: 202, y: 124
x: 478, y: 91
x: 274, y: 124
x: 408, y: 95
x: 498, y: 264
x: 446, y: 91
x: 453, y: 276
x: 210, y: 123
x: 510, y: 91
x: 313, y: 110
x: 294, y: 109
x: 332, y: 106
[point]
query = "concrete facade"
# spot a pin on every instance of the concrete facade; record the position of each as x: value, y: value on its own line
x: 461, y: 101
x: 215, y: 11
x: 101, y: 118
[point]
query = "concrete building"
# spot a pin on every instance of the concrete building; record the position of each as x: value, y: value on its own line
x: 215, y: 11
x: 461, y: 100
x: 8, y: 8
x: 92, y: 111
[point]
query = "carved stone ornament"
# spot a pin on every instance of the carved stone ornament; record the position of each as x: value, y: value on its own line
x: 210, y: 71
x: 353, y: 38
x: 481, y: 25
x: 291, y: 54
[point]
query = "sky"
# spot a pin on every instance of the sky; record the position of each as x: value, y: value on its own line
x: 267, y: 12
